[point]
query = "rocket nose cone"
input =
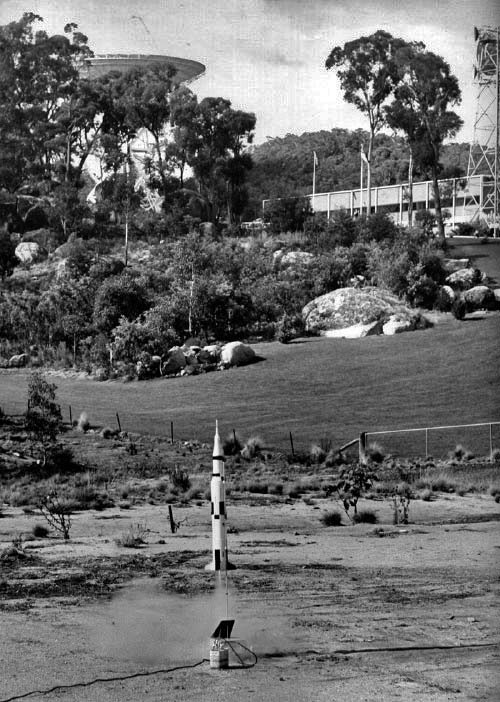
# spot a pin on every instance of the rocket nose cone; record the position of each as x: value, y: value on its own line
x: 218, y: 450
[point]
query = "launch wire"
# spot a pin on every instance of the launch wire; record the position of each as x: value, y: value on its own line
x: 115, y: 678
x: 243, y: 664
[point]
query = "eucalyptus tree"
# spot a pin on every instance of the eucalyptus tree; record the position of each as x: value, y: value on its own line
x: 211, y: 138
x: 38, y: 73
x: 425, y: 91
x: 368, y: 75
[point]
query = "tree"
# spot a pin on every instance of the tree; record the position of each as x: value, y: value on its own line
x: 8, y: 258
x: 43, y: 417
x: 425, y: 91
x: 367, y: 74
x: 211, y: 137
x: 38, y: 73
x: 119, y: 296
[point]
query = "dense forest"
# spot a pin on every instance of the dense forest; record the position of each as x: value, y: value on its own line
x: 283, y: 166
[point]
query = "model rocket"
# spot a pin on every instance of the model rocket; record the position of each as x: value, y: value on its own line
x: 218, y: 508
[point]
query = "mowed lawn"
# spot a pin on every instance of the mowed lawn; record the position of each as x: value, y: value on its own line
x: 316, y: 388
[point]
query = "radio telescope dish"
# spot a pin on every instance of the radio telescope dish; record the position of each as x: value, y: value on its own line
x: 186, y: 69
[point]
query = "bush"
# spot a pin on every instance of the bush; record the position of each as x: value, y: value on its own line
x: 332, y: 518
x: 40, y: 532
x: 83, y: 423
x: 289, y: 326
x: 364, y: 516
x: 232, y: 445
x: 375, y: 452
x: 180, y: 479
x: 133, y: 538
x: 252, y: 448
x: 459, y: 308
x: 317, y: 454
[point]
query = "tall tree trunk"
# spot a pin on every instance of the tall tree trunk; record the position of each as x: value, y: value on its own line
x: 437, y: 206
x: 410, y: 188
x: 369, y: 175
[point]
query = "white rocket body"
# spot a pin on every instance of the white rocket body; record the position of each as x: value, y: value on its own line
x: 218, y: 508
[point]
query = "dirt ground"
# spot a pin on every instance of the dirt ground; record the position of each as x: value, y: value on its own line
x: 361, y: 612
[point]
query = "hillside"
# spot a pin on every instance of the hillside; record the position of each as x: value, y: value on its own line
x: 283, y: 166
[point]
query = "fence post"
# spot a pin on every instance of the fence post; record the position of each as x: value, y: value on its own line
x: 362, y: 448
x: 426, y: 442
x: 491, y: 441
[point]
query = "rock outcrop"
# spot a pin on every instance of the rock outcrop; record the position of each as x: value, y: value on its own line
x: 29, y: 252
x: 480, y: 297
x: 292, y: 259
x: 237, y: 353
x: 18, y: 361
x: 359, y: 312
x: 451, y: 265
x: 464, y: 278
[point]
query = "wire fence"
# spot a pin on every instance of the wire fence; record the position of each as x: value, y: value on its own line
x: 439, y: 442
x: 479, y: 439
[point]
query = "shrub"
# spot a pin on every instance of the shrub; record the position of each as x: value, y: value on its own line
x: 133, y: 538
x: 289, y: 326
x: 108, y: 433
x: 459, y: 308
x: 180, y: 479
x: 40, y: 531
x: 83, y: 423
x: 56, y: 512
x: 257, y: 487
x: 442, y: 483
x: 365, y: 516
x: 317, y: 454
x: 43, y: 418
x: 426, y: 495
x: 459, y: 453
x: 295, y: 490
x: 332, y: 518
x: 375, y: 452
x: 275, y: 488
x: 253, y: 447
x: 232, y: 445
x: 495, y: 455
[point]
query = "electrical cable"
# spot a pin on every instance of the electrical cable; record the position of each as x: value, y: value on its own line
x: 94, y: 681
x: 238, y: 643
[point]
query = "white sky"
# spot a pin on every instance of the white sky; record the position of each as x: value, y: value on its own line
x: 268, y: 56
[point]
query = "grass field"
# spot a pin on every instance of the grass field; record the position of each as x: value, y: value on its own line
x: 315, y: 388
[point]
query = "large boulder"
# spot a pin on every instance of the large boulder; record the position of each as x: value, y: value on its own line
x: 175, y: 362
x: 237, y: 354
x: 292, y: 259
x: 348, y: 307
x: 357, y: 331
x: 394, y: 325
x: 456, y: 264
x: 448, y: 294
x: 464, y: 278
x: 480, y: 297
x: 18, y: 361
x: 29, y: 252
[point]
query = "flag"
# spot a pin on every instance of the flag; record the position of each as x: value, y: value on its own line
x: 316, y: 162
x: 363, y: 155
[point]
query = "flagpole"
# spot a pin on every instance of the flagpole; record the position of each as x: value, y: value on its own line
x: 361, y: 183
x: 314, y: 175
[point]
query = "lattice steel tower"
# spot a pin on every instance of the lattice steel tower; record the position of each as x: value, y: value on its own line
x: 484, y: 150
